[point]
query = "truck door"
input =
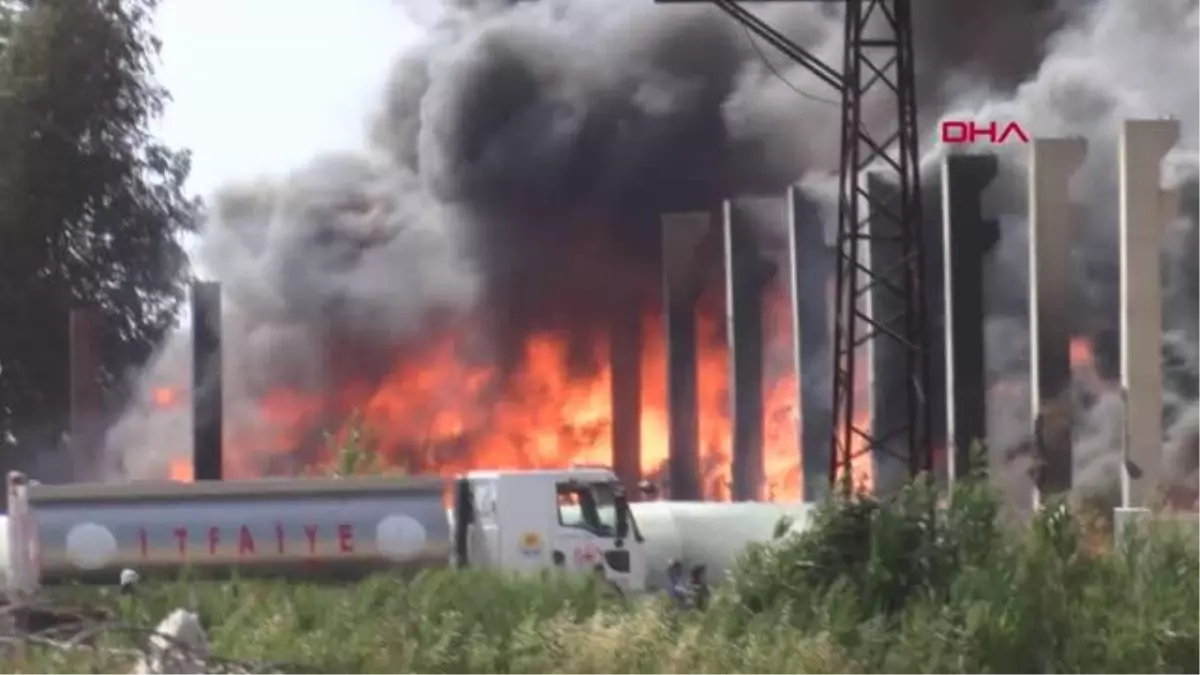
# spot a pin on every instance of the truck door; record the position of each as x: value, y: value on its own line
x: 596, y: 534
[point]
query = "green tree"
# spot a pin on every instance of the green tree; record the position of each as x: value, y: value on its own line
x: 91, y: 204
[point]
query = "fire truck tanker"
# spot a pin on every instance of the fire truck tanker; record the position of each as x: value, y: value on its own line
x: 343, y: 528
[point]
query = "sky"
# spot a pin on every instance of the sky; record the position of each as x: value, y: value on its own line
x: 260, y: 86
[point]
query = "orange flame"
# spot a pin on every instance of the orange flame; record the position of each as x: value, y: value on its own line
x: 429, y: 413
x: 1084, y: 367
x: 1081, y: 353
x: 180, y: 470
x: 165, y: 397
x: 550, y: 417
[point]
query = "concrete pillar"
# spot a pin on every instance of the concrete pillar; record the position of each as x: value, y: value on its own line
x: 86, y: 394
x: 812, y: 262
x: 1052, y: 162
x: 746, y: 275
x: 207, y: 382
x: 682, y: 283
x: 968, y: 237
x: 625, y: 357
x: 1145, y: 208
x: 934, y: 286
x: 889, y: 390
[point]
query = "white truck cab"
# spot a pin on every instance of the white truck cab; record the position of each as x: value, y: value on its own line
x: 576, y: 519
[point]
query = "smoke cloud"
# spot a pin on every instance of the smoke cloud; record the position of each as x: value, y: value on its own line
x: 522, y: 153
x: 1114, y: 60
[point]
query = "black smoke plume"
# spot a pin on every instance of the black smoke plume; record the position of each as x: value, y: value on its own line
x: 523, y: 151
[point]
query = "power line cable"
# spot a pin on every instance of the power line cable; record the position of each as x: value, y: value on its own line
x: 774, y: 71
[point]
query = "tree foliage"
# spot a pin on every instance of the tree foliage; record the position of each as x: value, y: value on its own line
x: 91, y: 205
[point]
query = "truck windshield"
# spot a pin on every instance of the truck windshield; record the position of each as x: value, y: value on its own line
x: 588, y: 506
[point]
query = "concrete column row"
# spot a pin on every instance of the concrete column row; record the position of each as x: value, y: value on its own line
x: 1144, y: 209
x: 968, y: 236
x: 747, y: 274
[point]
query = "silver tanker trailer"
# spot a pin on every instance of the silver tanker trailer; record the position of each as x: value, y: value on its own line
x: 521, y: 521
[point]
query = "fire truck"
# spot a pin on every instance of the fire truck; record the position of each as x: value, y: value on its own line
x: 342, y: 528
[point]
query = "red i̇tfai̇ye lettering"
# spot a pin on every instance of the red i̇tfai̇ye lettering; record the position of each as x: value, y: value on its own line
x: 244, y: 541
x: 965, y: 132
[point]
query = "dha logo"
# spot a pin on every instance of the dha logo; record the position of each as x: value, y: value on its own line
x: 966, y: 132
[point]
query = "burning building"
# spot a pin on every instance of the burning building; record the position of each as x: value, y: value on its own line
x: 473, y: 290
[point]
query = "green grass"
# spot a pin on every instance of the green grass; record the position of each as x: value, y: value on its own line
x: 873, y: 587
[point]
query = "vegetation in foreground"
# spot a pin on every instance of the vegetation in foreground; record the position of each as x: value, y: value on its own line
x: 874, y: 587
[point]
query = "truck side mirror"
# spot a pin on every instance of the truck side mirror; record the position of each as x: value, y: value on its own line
x: 622, y: 506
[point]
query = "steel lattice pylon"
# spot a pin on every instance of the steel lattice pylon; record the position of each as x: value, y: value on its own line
x: 878, y: 60
x: 873, y: 60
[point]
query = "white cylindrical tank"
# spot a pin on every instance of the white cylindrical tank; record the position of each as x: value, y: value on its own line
x: 713, y: 534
